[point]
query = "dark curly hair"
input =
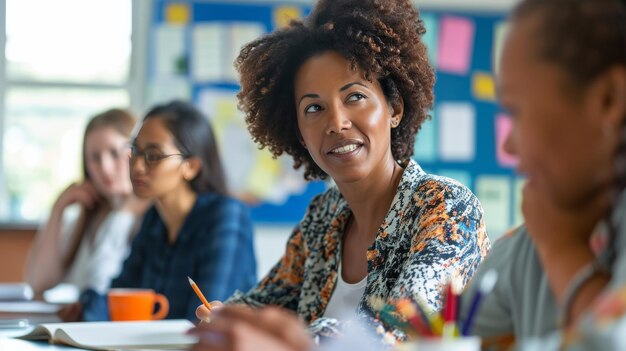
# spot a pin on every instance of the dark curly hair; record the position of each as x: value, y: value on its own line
x: 381, y: 37
x: 583, y: 37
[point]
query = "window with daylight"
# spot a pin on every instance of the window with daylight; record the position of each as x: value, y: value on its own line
x: 64, y: 61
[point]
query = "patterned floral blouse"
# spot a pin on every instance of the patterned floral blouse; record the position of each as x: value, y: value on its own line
x: 433, y: 231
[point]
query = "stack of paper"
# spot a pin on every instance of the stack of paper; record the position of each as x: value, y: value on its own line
x: 15, y: 292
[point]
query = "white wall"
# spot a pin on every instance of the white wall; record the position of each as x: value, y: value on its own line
x: 269, y: 245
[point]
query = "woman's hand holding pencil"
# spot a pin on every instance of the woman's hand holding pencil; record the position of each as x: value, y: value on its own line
x: 203, y: 312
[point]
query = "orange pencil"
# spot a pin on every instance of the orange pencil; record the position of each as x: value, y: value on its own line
x: 199, y: 293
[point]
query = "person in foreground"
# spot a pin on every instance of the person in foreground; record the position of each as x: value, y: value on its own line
x: 87, y: 250
x: 194, y: 229
x: 569, y: 132
x: 344, y: 93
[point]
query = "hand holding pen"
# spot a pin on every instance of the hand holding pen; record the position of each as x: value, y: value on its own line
x: 203, y: 312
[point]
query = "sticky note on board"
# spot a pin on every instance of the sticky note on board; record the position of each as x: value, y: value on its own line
x: 177, y: 13
x: 425, y: 148
x: 457, y: 131
x: 494, y: 193
x: 264, y: 173
x: 240, y: 34
x: 503, y: 127
x: 207, y: 61
x: 168, y: 88
x: 284, y: 14
x: 483, y: 86
x: 456, y: 44
x: 169, y: 50
x: 500, y: 30
x: 431, y: 36
x: 226, y: 107
x: 460, y: 176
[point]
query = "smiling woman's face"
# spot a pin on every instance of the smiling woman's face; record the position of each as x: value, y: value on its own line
x: 344, y: 119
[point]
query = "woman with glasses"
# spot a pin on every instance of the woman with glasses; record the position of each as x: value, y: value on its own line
x: 87, y: 235
x: 194, y: 228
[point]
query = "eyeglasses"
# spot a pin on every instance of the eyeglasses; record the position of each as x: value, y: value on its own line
x: 150, y: 157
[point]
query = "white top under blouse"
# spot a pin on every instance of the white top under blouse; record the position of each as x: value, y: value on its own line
x: 345, y: 298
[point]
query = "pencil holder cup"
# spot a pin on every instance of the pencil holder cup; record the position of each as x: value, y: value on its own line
x: 467, y: 343
x: 136, y: 305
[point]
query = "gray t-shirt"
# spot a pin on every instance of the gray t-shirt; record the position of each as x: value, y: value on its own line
x: 522, y: 303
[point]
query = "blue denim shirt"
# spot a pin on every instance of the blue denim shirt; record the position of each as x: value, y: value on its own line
x: 214, y: 247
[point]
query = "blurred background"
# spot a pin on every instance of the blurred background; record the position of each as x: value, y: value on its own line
x: 65, y: 60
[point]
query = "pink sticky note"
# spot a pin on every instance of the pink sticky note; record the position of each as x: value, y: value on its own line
x: 503, y: 128
x: 456, y: 41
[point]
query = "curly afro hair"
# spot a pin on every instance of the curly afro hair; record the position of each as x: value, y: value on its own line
x: 380, y: 37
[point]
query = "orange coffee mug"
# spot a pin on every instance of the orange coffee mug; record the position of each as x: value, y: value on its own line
x: 136, y: 305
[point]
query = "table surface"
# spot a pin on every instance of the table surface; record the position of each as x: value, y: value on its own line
x: 10, y: 344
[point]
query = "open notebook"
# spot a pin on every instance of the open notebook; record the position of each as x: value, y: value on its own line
x: 166, y: 334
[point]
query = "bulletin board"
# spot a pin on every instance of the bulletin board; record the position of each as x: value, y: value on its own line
x: 193, y: 45
x: 464, y: 138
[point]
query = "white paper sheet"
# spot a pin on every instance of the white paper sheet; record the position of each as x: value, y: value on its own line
x: 457, y: 132
x: 207, y: 58
x: 169, y: 49
x: 240, y: 35
x: 494, y: 193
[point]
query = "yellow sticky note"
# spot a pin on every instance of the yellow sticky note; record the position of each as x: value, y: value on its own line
x: 484, y: 86
x: 177, y: 13
x: 226, y: 109
x: 284, y: 14
x: 264, y: 175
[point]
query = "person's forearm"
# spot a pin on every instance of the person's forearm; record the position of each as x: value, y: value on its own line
x: 561, y: 266
x: 44, y: 267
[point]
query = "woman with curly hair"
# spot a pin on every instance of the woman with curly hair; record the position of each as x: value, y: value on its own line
x: 344, y: 93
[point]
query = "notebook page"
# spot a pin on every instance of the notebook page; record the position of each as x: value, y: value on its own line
x: 40, y: 332
x: 126, y: 335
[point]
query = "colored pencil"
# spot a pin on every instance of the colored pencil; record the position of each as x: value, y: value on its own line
x: 195, y: 288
